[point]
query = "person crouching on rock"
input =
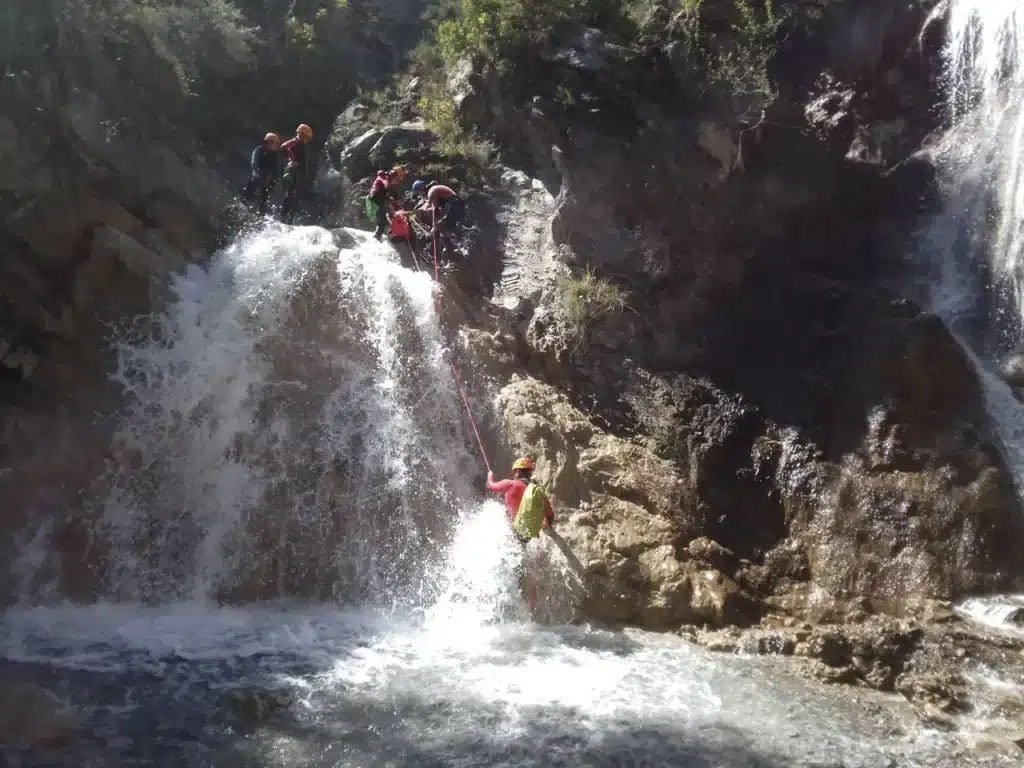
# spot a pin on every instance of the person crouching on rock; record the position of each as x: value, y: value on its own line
x: 265, y: 171
x: 382, y: 192
x: 526, y: 505
x: 297, y: 169
x: 439, y: 208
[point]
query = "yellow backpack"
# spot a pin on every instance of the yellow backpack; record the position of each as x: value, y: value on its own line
x: 530, y: 517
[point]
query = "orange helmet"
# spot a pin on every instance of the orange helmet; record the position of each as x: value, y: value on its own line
x: 304, y: 132
x: 523, y: 463
x: 399, y: 172
x: 273, y: 140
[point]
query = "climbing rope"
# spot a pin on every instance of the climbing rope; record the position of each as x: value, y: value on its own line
x: 455, y: 373
x: 437, y: 302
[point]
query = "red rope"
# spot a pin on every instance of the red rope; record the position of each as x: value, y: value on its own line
x: 412, y: 252
x: 455, y: 373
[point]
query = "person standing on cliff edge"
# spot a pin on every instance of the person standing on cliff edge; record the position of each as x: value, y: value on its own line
x: 265, y: 169
x: 297, y: 169
x: 526, y: 505
x: 383, y: 192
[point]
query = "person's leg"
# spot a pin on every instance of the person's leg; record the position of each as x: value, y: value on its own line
x: 526, y: 587
x: 290, y: 194
x: 383, y: 224
x: 265, y: 190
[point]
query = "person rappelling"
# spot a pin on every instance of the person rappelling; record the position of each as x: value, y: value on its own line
x: 383, y: 196
x: 439, y: 208
x: 296, y: 170
x: 527, y: 507
x: 265, y: 170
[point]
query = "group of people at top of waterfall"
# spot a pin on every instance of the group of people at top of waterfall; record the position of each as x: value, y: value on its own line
x: 434, y: 211
x: 436, y: 208
x: 266, y: 170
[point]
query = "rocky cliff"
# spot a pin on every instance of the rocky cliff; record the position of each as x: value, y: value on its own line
x: 685, y: 290
x: 753, y: 417
x: 93, y: 226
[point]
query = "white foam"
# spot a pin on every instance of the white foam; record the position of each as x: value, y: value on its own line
x: 292, y: 423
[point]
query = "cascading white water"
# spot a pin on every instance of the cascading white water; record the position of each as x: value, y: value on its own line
x: 976, y: 246
x: 985, y: 59
x: 291, y: 429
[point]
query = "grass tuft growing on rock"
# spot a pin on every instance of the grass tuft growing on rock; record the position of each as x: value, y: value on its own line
x: 586, y: 299
x: 453, y: 141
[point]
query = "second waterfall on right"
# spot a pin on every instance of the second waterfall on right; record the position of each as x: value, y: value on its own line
x: 973, y: 249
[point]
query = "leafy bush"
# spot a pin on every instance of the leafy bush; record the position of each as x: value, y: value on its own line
x: 588, y: 298
x: 217, y: 73
x: 453, y: 142
x: 742, y: 61
x: 166, y: 43
x: 492, y: 30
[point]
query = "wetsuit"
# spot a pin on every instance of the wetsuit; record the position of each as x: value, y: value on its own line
x: 265, y: 170
x: 381, y: 193
x: 295, y: 151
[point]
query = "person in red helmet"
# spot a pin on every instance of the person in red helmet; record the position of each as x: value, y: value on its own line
x: 528, y: 510
x: 265, y: 165
x: 296, y: 170
x: 526, y: 519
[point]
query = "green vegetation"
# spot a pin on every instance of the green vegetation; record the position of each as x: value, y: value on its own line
x: 730, y: 45
x: 493, y: 30
x: 167, y: 43
x: 586, y: 299
x: 226, y: 71
x: 740, y: 60
x: 453, y: 142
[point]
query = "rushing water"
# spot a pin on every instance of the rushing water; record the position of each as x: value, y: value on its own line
x: 293, y: 444
x: 452, y: 685
x: 976, y: 246
x: 291, y: 430
x: 292, y: 440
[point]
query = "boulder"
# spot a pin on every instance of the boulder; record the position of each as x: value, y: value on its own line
x: 33, y: 717
x: 935, y: 695
x: 1012, y: 370
x: 625, y: 514
x: 400, y: 141
x: 355, y: 156
x: 255, y: 706
x: 873, y: 654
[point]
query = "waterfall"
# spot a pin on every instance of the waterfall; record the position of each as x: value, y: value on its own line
x: 291, y: 429
x: 975, y: 246
x: 980, y: 285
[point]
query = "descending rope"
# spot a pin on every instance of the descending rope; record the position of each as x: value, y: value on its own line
x: 455, y: 373
x: 412, y: 252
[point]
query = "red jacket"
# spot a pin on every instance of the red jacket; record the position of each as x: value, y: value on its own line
x: 295, y: 151
x: 381, y: 185
x: 514, y: 490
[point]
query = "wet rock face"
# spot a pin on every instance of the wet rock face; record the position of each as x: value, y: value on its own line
x: 92, y: 229
x: 722, y: 501
x: 829, y: 435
